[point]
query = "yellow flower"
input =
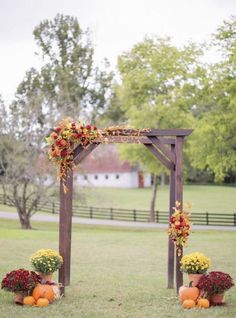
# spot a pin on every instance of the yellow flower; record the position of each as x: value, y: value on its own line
x: 195, y: 263
x: 46, y: 260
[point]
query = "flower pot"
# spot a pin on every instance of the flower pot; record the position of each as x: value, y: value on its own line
x: 217, y: 299
x: 19, y: 297
x: 46, y: 277
x: 194, y: 278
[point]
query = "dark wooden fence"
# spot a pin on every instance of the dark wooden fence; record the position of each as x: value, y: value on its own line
x: 204, y: 218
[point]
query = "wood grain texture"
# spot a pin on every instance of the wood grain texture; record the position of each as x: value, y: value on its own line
x: 179, y: 197
x: 65, y: 219
x: 171, y: 246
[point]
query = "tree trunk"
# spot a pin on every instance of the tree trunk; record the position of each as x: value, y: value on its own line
x: 153, y: 200
x: 24, y: 218
x: 25, y: 222
x: 163, y: 179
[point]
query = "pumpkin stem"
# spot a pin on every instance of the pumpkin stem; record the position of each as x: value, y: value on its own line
x: 191, y: 284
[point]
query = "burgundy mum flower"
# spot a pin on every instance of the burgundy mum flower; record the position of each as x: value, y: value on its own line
x: 20, y: 280
x: 215, y: 282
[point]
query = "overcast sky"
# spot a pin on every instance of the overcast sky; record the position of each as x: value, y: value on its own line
x: 116, y: 25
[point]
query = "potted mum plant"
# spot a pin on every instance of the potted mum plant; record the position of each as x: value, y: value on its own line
x: 195, y: 265
x: 46, y: 262
x: 214, y: 286
x: 21, y: 282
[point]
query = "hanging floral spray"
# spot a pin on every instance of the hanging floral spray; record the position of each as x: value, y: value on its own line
x: 179, y: 226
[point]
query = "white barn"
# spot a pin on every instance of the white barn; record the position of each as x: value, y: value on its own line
x: 103, y: 168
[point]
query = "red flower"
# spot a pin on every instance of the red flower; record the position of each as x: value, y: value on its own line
x: 58, y: 143
x: 88, y: 127
x: 58, y: 129
x: 215, y: 282
x: 79, y: 135
x: 20, y: 280
x: 63, y: 153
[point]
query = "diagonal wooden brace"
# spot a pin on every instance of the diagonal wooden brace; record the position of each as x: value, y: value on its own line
x: 163, y: 148
x: 159, y: 155
x: 80, y: 153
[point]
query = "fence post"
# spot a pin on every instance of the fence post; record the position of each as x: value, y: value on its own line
x: 111, y: 214
x: 91, y: 212
x: 157, y: 216
x: 4, y: 199
x: 234, y: 219
x: 134, y: 214
x: 207, y: 218
x: 53, y: 207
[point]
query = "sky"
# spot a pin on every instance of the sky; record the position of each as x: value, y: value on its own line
x: 115, y: 25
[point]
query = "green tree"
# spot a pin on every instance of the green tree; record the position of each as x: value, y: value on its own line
x: 158, y: 86
x: 71, y: 84
x: 22, y: 157
x: 68, y: 84
x: 213, y: 146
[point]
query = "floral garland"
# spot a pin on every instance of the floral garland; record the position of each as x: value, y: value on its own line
x: 62, y: 141
x: 179, y: 226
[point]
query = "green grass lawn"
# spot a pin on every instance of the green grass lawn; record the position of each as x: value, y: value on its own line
x: 204, y: 198
x: 115, y: 272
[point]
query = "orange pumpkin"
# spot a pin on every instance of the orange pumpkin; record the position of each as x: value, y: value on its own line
x: 188, y: 303
x: 43, y: 291
x: 29, y: 300
x: 42, y: 302
x: 203, y: 303
x: 188, y: 292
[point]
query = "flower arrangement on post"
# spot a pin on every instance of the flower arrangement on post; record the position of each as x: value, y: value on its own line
x: 179, y: 226
x: 195, y: 265
x: 62, y: 141
x: 21, y: 282
x: 46, y: 262
x: 214, y: 285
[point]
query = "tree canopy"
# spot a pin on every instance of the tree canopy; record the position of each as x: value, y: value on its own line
x: 213, y: 144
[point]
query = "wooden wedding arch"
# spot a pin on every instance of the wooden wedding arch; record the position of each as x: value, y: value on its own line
x: 167, y: 146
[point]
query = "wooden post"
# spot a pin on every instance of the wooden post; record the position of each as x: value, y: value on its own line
x: 179, y: 197
x: 171, y: 246
x: 65, y: 230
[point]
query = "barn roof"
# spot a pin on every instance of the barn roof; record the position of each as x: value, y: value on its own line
x: 105, y: 159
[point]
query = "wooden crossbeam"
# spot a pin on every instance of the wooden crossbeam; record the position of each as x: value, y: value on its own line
x: 155, y: 132
x: 168, y: 132
x: 131, y: 140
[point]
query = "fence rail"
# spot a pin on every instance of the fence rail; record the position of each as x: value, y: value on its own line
x: 204, y: 218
